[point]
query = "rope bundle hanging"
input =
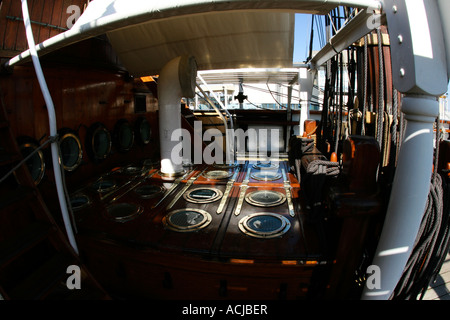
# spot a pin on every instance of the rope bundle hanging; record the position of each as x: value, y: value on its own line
x: 432, y: 241
x: 319, y: 172
x: 327, y: 168
x: 416, y: 276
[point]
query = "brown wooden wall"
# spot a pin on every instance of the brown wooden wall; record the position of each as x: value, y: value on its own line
x: 49, y: 18
x: 82, y: 97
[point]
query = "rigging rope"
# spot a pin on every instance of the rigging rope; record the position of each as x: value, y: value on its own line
x: 328, y: 168
x: 419, y: 268
x: 380, y: 91
x: 432, y: 241
x: 366, y: 70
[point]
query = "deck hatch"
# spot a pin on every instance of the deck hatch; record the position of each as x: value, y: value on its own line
x: 265, y: 198
x: 264, y: 225
x: 123, y: 212
x: 103, y: 185
x: 203, y: 195
x: 79, y: 201
x: 265, y: 165
x: 266, y: 175
x: 217, y: 174
x: 149, y: 191
x: 187, y: 220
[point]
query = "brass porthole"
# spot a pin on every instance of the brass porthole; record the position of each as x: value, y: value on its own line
x: 265, y: 198
x: 98, y: 142
x: 132, y: 170
x: 149, y: 191
x: 265, y: 165
x: 264, y: 225
x: 36, y: 163
x: 203, y: 195
x: 266, y: 175
x: 225, y: 165
x: 187, y: 220
x: 123, y: 212
x: 123, y: 135
x: 217, y: 174
x: 102, y: 185
x: 143, y: 131
x: 71, y: 151
x: 79, y: 201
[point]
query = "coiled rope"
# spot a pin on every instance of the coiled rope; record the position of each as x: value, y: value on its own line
x: 327, y: 168
x: 432, y: 241
x: 423, y: 261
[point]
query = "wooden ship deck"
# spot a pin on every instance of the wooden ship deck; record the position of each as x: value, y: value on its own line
x: 302, y: 222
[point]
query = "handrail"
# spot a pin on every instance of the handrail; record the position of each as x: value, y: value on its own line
x: 229, y: 146
x: 217, y: 99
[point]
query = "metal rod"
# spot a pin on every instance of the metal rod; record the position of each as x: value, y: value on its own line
x: 227, y: 191
x: 243, y: 188
x: 140, y: 180
x: 174, y: 185
x: 230, y: 154
x: 287, y: 188
x: 182, y: 191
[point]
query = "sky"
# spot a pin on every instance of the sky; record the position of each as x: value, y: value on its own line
x: 301, y: 37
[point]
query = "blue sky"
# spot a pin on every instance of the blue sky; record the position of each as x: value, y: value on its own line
x: 302, y: 34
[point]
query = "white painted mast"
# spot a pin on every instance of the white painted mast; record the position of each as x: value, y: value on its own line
x: 420, y: 72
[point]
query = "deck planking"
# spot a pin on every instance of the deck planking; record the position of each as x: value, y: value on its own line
x: 440, y: 289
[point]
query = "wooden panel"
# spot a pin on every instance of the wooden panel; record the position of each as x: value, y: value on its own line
x: 356, y: 202
x: 48, y: 18
x: 5, y: 7
x: 444, y: 155
x: 12, y: 27
x: 361, y: 174
x: 153, y: 274
x: 81, y: 98
x: 56, y: 18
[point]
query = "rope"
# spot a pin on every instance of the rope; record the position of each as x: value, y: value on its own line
x: 380, y: 91
x: 318, y: 173
x: 432, y: 241
x: 394, y: 131
x: 328, y: 168
x: 341, y: 105
x: 363, y: 126
x: 416, y: 276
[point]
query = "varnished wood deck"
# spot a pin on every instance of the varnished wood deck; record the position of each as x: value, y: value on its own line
x: 440, y: 289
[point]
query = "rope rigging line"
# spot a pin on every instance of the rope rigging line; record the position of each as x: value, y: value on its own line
x: 363, y: 126
x: 380, y: 112
x: 328, y: 168
x: 432, y: 241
